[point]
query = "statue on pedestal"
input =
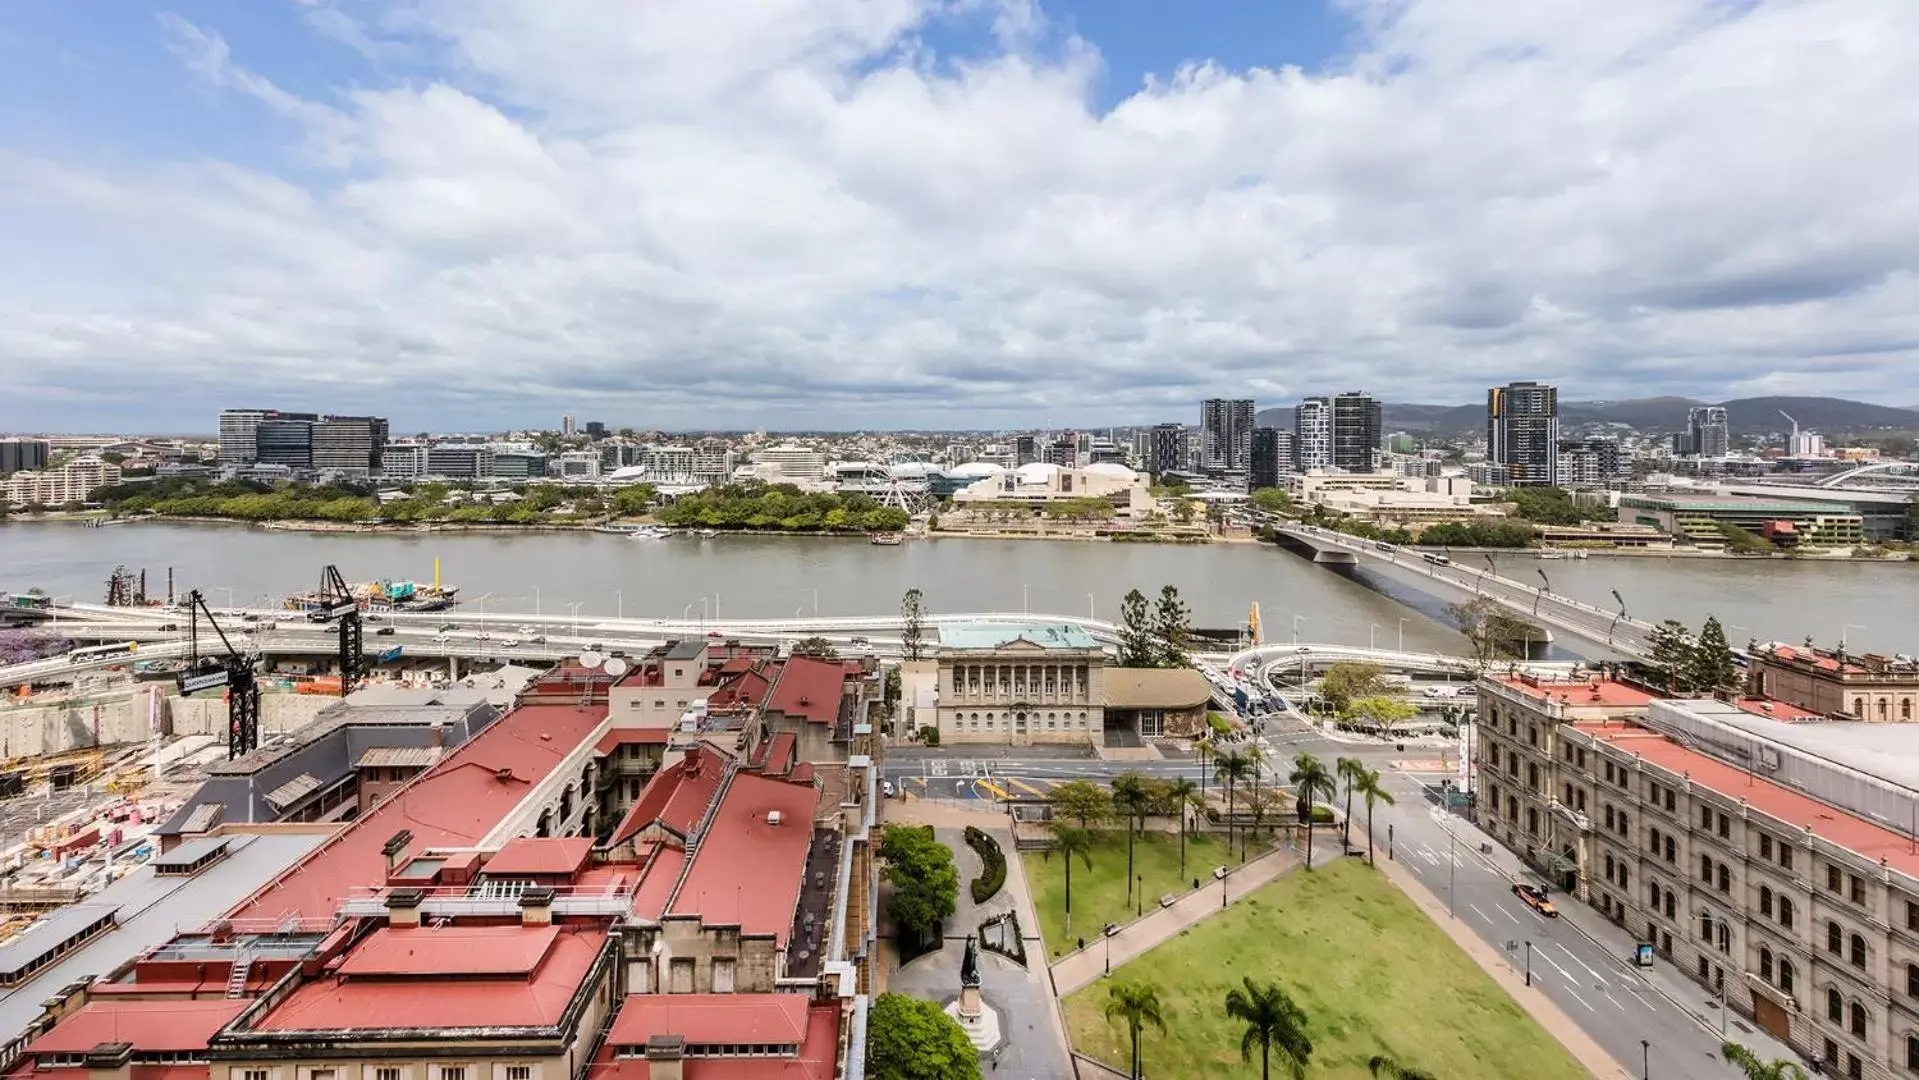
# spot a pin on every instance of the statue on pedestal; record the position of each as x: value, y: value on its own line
x: 969, y: 1001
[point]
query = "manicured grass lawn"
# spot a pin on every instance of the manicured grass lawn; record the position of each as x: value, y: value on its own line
x: 1099, y: 894
x: 1371, y: 972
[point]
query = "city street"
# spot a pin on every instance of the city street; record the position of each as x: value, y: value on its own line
x: 1656, y: 1023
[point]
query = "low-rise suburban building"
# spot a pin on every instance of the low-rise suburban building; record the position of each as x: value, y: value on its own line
x: 70, y: 483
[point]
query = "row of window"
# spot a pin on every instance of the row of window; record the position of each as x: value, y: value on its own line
x: 395, y: 1072
x: 1852, y: 947
x: 961, y: 721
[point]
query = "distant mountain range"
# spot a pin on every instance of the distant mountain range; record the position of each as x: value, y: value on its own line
x: 1747, y: 416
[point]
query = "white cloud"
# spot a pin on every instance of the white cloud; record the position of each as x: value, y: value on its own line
x: 797, y: 212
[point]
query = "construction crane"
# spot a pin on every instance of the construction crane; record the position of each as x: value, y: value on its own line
x: 337, y: 604
x: 233, y: 671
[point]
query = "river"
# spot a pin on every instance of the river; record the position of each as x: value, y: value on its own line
x: 742, y: 576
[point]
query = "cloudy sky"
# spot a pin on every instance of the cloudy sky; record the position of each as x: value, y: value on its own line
x: 944, y: 213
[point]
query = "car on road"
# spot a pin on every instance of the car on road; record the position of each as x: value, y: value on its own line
x: 385, y: 631
x: 1534, y: 896
x: 169, y: 626
x: 886, y: 788
x: 857, y: 640
x: 441, y: 639
x: 537, y: 639
x: 528, y: 631
x: 448, y: 627
x: 510, y: 643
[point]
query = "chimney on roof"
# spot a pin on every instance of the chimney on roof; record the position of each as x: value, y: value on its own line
x: 110, y: 1061
x: 403, y: 906
x: 395, y: 847
x: 663, y: 1057
x: 536, y: 906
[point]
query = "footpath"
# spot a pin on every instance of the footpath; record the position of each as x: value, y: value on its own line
x: 1078, y: 969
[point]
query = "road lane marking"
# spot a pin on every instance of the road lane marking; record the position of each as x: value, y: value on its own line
x: 1581, y: 1000
x: 1481, y: 914
x: 1555, y: 965
x: 992, y: 787
x: 1581, y: 963
x: 1615, y: 1002
x: 1508, y: 914
x: 1029, y: 788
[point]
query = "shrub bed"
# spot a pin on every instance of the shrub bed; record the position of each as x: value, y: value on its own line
x: 993, y: 877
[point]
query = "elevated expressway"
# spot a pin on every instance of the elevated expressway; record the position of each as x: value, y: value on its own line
x: 474, y: 635
x: 1613, y: 629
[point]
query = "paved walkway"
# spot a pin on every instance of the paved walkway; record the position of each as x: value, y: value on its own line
x: 1035, y: 1046
x: 1490, y: 960
x: 1080, y: 968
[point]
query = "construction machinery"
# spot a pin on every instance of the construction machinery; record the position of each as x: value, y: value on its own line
x: 338, y: 605
x: 234, y: 671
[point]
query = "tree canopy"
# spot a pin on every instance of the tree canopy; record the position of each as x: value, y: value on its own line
x: 1348, y: 680
x: 908, y: 1038
x: 1083, y: 801
x: 925, y: 881
x: 781, y: 507
x: 1544, y: 505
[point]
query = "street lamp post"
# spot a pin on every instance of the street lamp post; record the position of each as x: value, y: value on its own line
x: 1023, y: 608
x: 1372, y: 630
x: 1543, y: 589
x: 1615, y: 619
x: 1529, y: 963
x: 1139, y: 908
x: 1645, y: 1060
x: 536, y: 601
x: 619, y: 605
x: 1090, y: 617
x: 1296, y: 619
x: 1452, y: 869
x: 1402, y: 634
x: 1109, y: 949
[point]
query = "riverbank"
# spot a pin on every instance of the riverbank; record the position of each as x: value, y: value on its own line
x: 609, y: 526
x: 1554, y: 554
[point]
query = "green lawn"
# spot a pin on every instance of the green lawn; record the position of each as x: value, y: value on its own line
x: 1099, y: 894
x: 1371, y: 972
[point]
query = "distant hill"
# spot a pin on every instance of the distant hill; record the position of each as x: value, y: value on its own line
x: 1748, y: 416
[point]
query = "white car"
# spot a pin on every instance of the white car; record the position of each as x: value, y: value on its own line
x: 510, y: 643
x: 886, y: 788
x: 527, y: 631
x: 442, y: 639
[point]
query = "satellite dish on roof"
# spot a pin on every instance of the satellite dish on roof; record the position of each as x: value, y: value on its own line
x: 616, y: 667
x: 590, y: 659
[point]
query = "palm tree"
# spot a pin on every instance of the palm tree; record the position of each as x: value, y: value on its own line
x: 1129, y: 798
x: 1256, y: 761
x: 1368, y: 787
x: 1348, y: 769
x: 1231, y: 767
x: 1310, y: 780
x: 1181, y: 792
x: 1757, y: 1069
x: 1069, y: 842
x: 1138, y: 1005
x: 1204, y: 744
x: 1273, y: 1022
x: 1385, y: 1068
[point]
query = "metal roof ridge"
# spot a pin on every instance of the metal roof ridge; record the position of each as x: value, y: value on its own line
x: 698, y: 833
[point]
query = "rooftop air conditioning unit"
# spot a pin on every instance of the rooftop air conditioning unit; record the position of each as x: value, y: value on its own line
x: 773, y: 817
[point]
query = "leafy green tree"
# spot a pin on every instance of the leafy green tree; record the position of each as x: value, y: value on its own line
x: 815, y: 646
x: 1070, y: 843
x: 1757, y: 1068
x: 1348, y: 769
x: 1310, y: 780
x: 1494, y: 633
x: 1137, y: 1006
x: 1371, y: 792
x: 1711, y: 667
x: 924, y: 878
x: 1273, y: 501
x: 1083, y: 801
x: 1670, y: 651
x: 1256, y: 760
x: 1385, y: 1068
x: 1274, y: 1021
x: 1183, y: 511
x: 1381, y: 710
x: 634, y: 501
x: 1545, y: 505
x: 1136, y: 647
x: 1172, y: 630
x: 912, y: 624
x: 1348, y: 680
x: 1130, y: 800
x: 909, y: 1038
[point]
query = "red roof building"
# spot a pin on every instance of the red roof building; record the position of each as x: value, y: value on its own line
x: 454, y: 804
x: 723, y: 1037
